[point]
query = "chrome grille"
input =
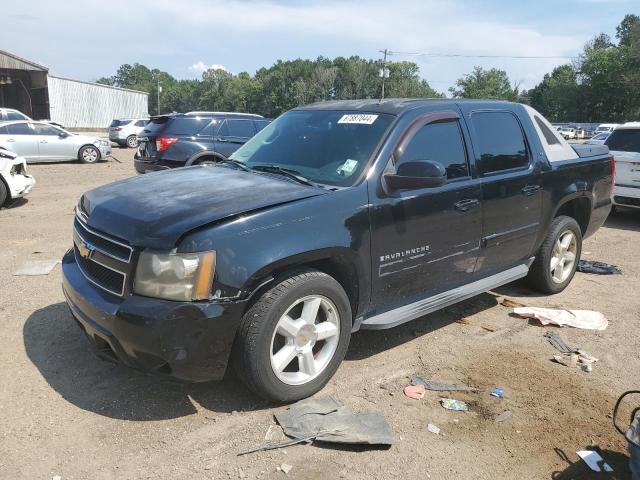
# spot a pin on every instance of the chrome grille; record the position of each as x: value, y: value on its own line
x: 104, y: 261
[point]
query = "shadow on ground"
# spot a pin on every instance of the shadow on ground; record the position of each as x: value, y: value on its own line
x: 624, y: 219
x: 58, y: 348
x: 580, y: 471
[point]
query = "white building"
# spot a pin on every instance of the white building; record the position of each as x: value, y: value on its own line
x: 28, y: 87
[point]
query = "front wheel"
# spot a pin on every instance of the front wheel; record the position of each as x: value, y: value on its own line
x: 292, y: 340
x: 557, y: 259
x: 132, y: 141
x: 89, y: 154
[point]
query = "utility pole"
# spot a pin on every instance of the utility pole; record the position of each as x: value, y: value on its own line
x: 159, y: 90
x: 384, y: 71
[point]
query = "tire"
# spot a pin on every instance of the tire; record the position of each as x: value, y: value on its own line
x: 4, y: 193
x: 206, y: 162
x: 89, y: 154
x: 307, y: 364
x: 132, y: 141
x: 542, y: 276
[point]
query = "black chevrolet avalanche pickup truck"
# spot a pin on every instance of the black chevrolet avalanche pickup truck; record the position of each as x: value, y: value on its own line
x: 336, y: 217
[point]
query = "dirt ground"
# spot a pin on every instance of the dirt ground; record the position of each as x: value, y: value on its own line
x: 65, y: 413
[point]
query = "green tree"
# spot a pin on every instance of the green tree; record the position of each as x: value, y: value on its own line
x: 558, y: 95
x: 482, y: 83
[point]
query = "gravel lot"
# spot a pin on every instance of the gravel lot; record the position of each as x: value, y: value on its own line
x: 64, y: 412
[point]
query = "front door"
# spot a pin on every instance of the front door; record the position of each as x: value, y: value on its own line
x: 53, y: 143
x: 232, y: 134
x: 426, y: 240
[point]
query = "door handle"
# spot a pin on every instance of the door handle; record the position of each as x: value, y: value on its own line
x: 43, y: 141
x: 11, y: 140
x: 222, y: 140
x: 530, y: 190
x: 466, y: 204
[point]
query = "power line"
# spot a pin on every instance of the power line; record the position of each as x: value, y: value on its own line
x: 462, y: 55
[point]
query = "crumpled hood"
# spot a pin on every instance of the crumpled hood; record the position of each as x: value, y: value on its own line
x: 155, y: 210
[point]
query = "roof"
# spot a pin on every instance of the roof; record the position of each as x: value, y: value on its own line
x: 14, y: 62
x: 224, y: 113
x: 628, y: 125
x: 392, y: 106
x: 98, y: 85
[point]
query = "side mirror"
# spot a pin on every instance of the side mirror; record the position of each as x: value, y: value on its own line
x: 63, y: 134
x: 417, y: 174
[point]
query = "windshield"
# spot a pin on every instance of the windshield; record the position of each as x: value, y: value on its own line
x: 325, y: 146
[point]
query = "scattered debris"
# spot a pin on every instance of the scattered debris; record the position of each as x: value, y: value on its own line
x: 559, y: 344
x: 464, y: 321
x: 507, y: 302
x: 443, y: 387
x: 506, y: 415
x: 581, y: 360
x: 488, y: 328
x: 414, y: 391
x: 594, y: 461
x: 598, y: 268
x: 497, y: 392
x: 36, y: 267
x: 285, y: 468
x: 329, y: 420
x: 433, y: 429
x: 275, y: 446
x: 452, y: 404
x: 586, y: 319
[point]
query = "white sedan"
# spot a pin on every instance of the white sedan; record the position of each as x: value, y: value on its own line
x: 42, y: 142
x: 14, y: 180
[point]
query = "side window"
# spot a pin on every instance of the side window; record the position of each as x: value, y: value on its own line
x: 439, y: 142
x: 19, y: 129
x: 3, y: 131
x: 46, y: 130
x: 500, y: 141
x: 141, y: 123
x: 240, y: 128
x: 260, y: 124
x: 16, y: 116
x: 548, y: 134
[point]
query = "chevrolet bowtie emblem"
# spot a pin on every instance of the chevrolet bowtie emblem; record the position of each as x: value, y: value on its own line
x: 85, y: 249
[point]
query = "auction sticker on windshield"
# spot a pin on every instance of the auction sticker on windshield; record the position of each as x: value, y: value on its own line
x: 359, y: 118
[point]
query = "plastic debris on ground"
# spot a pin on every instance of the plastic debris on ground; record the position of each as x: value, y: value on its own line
x: 329, y: 420
x: 414, y: 391
x: 453, y: 404
x: 557, y: 342
x: 594, y: 461
x: 585, y: 319
x: 443, y: 387
x: 36, y: 267
x: 497, y: 392
x: 506, y: 415
x: 433, y: 429
x: 571, y: 357
x: 285, y: 468
x: 598, y: 268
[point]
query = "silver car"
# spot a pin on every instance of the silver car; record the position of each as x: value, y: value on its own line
x: 42, y: 142
x: 125, y: 131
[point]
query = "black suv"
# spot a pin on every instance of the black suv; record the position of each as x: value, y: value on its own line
x: 184, y: 139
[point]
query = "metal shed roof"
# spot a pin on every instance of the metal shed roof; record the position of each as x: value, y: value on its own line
x: 13, y: 62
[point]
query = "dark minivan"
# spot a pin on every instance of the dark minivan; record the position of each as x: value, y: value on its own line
x: 193, y: 138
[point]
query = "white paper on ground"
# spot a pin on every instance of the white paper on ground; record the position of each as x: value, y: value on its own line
x: 37, y: 267
x: 587, y: 319
x: 594, y: 460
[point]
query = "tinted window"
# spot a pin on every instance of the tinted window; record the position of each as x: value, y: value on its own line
x: 141, y: 123
x: 19, y: 129
x: 624, y: 140
x: 3, y: 131
x: 500, y: 141
x: 548, y: 134
x: 439, y: 142
x: 240, y: 128
x: 260, y: 124
x: 119, y: 123
x: 327, y: 146
x: 186, y: 125
x: 46, y: 130
x: 16, y: 116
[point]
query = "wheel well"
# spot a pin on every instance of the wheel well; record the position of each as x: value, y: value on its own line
x: 579, y: 209
x: 210, y: 157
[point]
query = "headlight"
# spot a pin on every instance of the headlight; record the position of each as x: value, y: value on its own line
x: 175, y: 276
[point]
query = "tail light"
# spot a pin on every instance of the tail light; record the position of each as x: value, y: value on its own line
x: 117, y: 129
x: 613, y: 172
x: 162, y: 143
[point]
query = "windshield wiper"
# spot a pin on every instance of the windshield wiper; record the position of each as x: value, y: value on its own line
x: 287, y: 172
x: 237, y: 163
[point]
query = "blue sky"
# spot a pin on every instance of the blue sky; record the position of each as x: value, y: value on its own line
x: 85, y: 40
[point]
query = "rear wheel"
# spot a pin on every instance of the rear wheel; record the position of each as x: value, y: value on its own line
x: 557, y: 259
x: 89, y: 154
x: 132, y: 141
x: 4, y: 194
x: 292, y: 340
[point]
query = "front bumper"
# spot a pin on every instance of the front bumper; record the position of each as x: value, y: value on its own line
x: 189, y: 341
x: 20, y: 185
x: 144, y: 165
x: 626, y: 196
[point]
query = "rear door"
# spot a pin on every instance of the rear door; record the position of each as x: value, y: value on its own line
x: 232, y: 134
x: 21, y: 139
x: 511, y: 189
x: 624, y: 143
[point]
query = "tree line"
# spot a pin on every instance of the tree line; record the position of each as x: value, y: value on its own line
x: 602, y: 84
